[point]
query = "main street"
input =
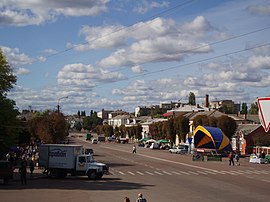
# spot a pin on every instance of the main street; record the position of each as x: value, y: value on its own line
x: 159, y: 175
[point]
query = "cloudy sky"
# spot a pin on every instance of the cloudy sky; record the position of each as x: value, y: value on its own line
x: 120, y: 54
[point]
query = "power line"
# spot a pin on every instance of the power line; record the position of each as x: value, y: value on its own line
x: 120, y: 29
x: 195, y: 62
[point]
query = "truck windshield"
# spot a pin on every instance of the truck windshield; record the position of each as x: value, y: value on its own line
x: 90, y: 159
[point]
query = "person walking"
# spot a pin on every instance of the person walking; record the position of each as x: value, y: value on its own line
x: 237, y: 157
x: 231, y: 161
x: 23, y: 171
x: 32, y: 167
x: 134, y: 149
x: 141, y: 198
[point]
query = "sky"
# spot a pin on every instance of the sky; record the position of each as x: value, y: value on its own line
x: 120, y: 54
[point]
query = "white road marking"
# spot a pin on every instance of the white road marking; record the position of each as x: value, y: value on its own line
x: 121, y: 173
x: 149, y: 173
x: 131, y: 173
x: 140, y: 173
x: 191, y: 172
x: 158, y: 173
x: 166, y: 173
x: 186, y: 173
x: 165, y: 160
x: 176, y: 173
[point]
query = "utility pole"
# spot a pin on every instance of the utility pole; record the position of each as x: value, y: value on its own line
x: 58, y: 106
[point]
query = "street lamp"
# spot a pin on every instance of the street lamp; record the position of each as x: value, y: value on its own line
x: 58, y: 106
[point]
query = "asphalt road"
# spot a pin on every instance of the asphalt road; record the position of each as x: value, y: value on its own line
x: 159, y: 175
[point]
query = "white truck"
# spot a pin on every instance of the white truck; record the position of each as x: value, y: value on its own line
x: 58, y: 160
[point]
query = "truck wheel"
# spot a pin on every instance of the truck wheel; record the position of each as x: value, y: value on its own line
x: 99, y: 176
x: 92, y: 175
x: 53, y: 173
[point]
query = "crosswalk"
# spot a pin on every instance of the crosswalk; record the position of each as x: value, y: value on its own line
x: 188, y: 173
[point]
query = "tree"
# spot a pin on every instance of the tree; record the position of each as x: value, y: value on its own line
x: 191, y: 99
x: 201, y: 120
x: 7, y: 78
x: 254, y: 108
x: 181, y: 125
x: 244, y: 108
x: 8, y: 113
x: 49, y: 126
x: 227, y: 125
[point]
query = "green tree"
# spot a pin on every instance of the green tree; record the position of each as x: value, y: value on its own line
x: 8, y: 113
x: 254, y: 108
x: 7, y: 78
x: 244, y: 108
x: 191, y: 99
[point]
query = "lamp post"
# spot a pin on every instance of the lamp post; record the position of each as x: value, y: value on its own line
x: 58, y: 106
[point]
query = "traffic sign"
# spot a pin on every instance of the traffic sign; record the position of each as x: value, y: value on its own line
x: 264, y: 112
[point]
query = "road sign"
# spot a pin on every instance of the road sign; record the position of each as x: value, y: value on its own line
x: 264, y: 112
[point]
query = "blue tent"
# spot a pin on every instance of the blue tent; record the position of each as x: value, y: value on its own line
x: 211, y: 138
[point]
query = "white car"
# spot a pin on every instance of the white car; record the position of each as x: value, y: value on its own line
x: 255, y: 159
x: 180, y: 149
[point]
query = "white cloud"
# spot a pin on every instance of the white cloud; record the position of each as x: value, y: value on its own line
x: 259, y: 62
x: 145, y: 6
x: 137, y: 69
x: 21, y: 71
x: 15, y: 58
x: 85, y: 76
x: 165, y: 41
x: 259, y: 9
x: 28, y: 12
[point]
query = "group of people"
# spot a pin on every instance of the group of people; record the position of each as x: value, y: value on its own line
x: 233, y: 156
x: 139, y: 199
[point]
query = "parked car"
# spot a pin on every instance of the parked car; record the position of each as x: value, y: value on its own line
x: 94, y: 141
x: 154, y: 145
x: 180, y: 149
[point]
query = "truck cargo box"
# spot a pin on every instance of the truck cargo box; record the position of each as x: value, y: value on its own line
x: 58, y: 155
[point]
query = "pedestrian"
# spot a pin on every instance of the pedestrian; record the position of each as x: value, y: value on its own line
x: 23, y: 171
x: 141, y: 198
x: 126, y: 199
x: 237, y: 157
x: 231, y: 161
x: 134, y: 149
x: 32, y: 167
x: 263, y: 155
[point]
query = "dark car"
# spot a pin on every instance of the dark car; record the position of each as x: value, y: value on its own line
x: 89, y: 151
x: 6, y: 171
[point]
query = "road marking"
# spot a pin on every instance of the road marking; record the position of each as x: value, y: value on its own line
x: 165, y: 160
x: 228, y: 172
x: 166, y: 173
x: 149, y: 173
x: 176, y: 173
x: 186, y: 173
x: 191, y: 172
x: 140, y: 173
x: 265, y: 180
x: 121, y: 173
x: 236, y: 172
x: 210, y: 172
x: 202, y: 172
x: 158, y: 173
x: 131, y: 173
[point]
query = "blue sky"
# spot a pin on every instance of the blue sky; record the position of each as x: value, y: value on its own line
x: 121, y: 54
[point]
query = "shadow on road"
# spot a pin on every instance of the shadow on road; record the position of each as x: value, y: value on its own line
x: 74, y: 183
